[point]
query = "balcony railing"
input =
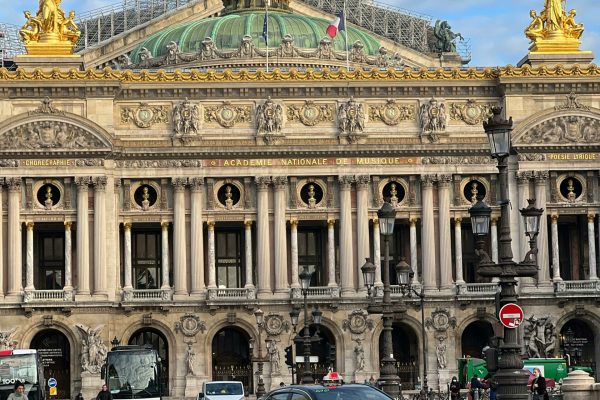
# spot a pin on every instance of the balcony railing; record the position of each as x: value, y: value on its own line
x: 565, y: 287
x: 231, y: 293
x: 140, y: 295
x: 477, y: 289
x: 317, y: 292
x: 47, y: 296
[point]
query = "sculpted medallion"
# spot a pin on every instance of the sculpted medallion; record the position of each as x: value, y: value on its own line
x: 274, y: 324
x: 226, y: 114
x: 309, y: 113
x: 392, y: 113
x: 190, y: 325
x: 357, y: 322
x: 440, y: 320
x: 470, y: 112
x: 145, y: 115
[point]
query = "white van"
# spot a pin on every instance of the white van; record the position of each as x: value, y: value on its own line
x: 221, y: 390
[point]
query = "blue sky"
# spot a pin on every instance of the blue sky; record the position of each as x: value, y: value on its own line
x: 495, y: 27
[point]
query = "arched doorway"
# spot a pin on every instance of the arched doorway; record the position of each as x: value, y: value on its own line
x: 325, y: 349
x: 231, y: 357
x: 55, y: 353
x: 406, y: 353
x: 577, y: 343
x: 158, y: 341
x: 475, y: 337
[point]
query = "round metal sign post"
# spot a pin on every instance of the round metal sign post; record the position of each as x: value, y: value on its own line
x: 511, y: 315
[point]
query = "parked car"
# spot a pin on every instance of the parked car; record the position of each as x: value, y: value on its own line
x: 221, y: 390
x: 327, y: 391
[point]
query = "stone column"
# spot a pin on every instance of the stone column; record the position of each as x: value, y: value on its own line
x: 444, y: 231
x: 330, y: 253
x: 592, y: 247
x: 179, y: 242
x: 197, y: 236
x: 427, y: 233
x: 100, y: 235
x: 68, y: 265
x: 164, y: 231
x: 83, y: 237
x: 377, y: 254
x: 1, y: 240
x: 248, y: 254
x: 541, y: 177
x: 346, y: 248
x: 414, y: 261
x: 29, y: 261
x: 212, y: 266
x: 362, y: 225
x: 127, y: 284
x: 15, y: 268
x: 280, y: 239
x: 294, y: 252
x: 458, y: 259
x: 494, y: 237
x: 263, y: 243
x: 555, y: 250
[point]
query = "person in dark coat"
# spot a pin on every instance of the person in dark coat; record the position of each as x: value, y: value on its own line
x: 454, y: 389
x: 476, y: 385
x: 104, y: 394
x: 538, y: 385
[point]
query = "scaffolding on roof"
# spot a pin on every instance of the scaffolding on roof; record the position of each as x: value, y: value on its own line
x: 10, y: 43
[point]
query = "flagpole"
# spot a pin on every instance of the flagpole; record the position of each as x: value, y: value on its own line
x: 346, y: 37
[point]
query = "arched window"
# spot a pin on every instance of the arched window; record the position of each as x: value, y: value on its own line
x: 159, y: 342
x: 231, y: 357
x: 55, y: 353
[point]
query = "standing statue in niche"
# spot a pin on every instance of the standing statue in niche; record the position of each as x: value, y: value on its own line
x: 145, y: 198
x: 48, y: 203
x: 274, y: 357
x: 191, y: 360
x: 440, y: 352
x: 359, y: 356
x: 228, y: 197
x: 93, y: 350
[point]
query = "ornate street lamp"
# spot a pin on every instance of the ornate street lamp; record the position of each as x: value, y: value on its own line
x: 305, y: 277
x: 531, y: 218
x: 368, y: 270
x: 511, y: 378
x: 260, y: 322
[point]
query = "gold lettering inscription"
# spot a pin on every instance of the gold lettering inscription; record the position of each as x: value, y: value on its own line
x: 310, y: 162
x: 573, y: 156
x: 48, y: 163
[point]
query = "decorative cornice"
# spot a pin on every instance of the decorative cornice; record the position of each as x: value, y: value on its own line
x: 326, y: 74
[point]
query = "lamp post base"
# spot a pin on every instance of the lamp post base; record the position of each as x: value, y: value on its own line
x: 512, y: 384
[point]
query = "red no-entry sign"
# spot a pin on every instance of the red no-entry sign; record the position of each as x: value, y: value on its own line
x: 511, y: 315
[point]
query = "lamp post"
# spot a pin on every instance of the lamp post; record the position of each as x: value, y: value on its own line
x: 388, y: 381
x: 305, y: 277
x: 511, y: 378
x: 260, y: 321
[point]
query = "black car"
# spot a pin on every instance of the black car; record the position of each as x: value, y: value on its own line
x: 326, y: 392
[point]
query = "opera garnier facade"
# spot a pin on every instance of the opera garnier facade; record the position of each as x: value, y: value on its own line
x: 166, y: 172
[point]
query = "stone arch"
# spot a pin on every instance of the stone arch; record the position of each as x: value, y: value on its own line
x: 338, y: 337
x: 54, y: 132
x: 249, y: 327
x: 464, y: 323
x: 231, y: 356
x: 475, y: 337
x: 593, y: 323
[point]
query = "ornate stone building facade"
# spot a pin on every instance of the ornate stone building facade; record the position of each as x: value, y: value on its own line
x: 164, y: 206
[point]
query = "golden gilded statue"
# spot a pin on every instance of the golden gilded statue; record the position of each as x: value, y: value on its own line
x: 50, y: 32
x: 553, y: 30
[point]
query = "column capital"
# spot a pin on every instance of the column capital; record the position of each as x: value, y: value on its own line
x: 523, y: 177
x: 29, y: 225
x: 262, y: 183
x: 68, y: 225
x: 375, y: 221
x: 494, y: 220
x: 541, y: 177
x: 14, y: 184
x: 428, y: 180
x: 99, y: 183
x: 127, y: 226
x: 179, y: 184
x: 346, y: 181
x: 280, y: 182
x: 444, y: 180
x: 82, y: 182
x: 554, y: 218
x: 457, y: 220
x: 591, y: 218
x: 196, y: 183
x: 413, y: 221
x: 164, y: 225
x: 362, y: 181
x: 211, y: 225
x: 330, y: 222
x: 248, y: 223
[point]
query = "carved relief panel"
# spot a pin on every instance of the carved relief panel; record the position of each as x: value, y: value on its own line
x: 144, y: 115
x: 310, y: 113
x: 227, y: 115
x: 392, y: 113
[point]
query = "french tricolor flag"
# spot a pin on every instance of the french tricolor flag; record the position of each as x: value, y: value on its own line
x: 338, y: 24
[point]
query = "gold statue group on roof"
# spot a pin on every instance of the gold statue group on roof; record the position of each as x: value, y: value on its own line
x: 50, y: 31
x: 554, y: 29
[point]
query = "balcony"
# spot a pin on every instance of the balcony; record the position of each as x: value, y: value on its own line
x: 231, y: 294
x: 317, y: 292
x: 143, y: 295
x: 577, y: 288
x: 48, y: 296
x: 477, y: 290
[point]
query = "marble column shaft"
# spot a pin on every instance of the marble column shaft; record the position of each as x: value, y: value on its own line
x: 555, y: 249
x: 363, y: 250
x: 330, y: 253
x: 127, y: 284
x: 1, y: 240
x: 494, y: 238
x: 197, y: 236
x: 294, y: 252
x: 377, y: 253
x: 427, y: 233
x: 248, y: 254
x: 68, y: 258
x: 444, y: 231
x: 458, y: 257
x: 179, y: 242
x: 592, y: 246
x: 541, y: 177
x: 83, y: 237
x: 15, y: 267
x: 280, y: 239
x: 414, y: 261
x: 29, y: 260
x: 346, y: 248
x: 164, y: 231
x: 212, y: 265
x: 263, y: 243
x: 100, y: 235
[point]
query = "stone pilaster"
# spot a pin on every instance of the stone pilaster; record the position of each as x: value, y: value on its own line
x: 212, y: 266
x: 14, y: 238
x: 280, y: 240
x: 1, y: 239
x: 29, y: 259
x: 592, y: 246
x: 541, y: 178
x: 197, y: 236
x: 414, y: 262
x: 444, y: 231
x: 458, y: 258
x: 164, y: 254
x: 263, y: 242
x: 427, y: 233
x: 68, y: 259
x: 346, y: 249
x: 362, y: 224
x: 294, y: 253
x: 248, y: 254
x: 83, y: 237
x: 127, y: 284
x: 179, y: 242
x: 331, y: 252
x: 555, y: 249
x: 100, y: 236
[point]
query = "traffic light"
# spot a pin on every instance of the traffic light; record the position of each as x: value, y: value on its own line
x: 288, y: 356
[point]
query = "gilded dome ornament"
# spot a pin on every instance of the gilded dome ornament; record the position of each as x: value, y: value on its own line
x: 50, y: 32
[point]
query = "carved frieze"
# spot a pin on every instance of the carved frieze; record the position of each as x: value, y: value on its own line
x: 226, y: 114
x: 351, y: 120
x: 392, y: 113
x: 471, y: 112
x: 158, y: 163
x: 186, y: 118
x: 145, y: 115
x: 48, y: 134
x: 432, y: 119
x: 563, y: 130
x: 571, y: 103
x: 310, y: 113
x: 531, y: 157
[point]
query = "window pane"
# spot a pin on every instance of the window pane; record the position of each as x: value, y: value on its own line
x: 47, y: 247
x: 140, y: 245
x: 151, y: 246
x: 58, y: 248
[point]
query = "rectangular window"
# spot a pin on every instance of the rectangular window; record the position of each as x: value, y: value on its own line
x: 230, y: 267
x: 310, y: 254
x: 51, y: 256
x: 146, y: 261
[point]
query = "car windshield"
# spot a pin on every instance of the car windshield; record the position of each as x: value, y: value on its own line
x: 224, y: 389
x: 349, y: 393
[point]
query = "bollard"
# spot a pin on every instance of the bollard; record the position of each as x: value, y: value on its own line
x: 577, y: 386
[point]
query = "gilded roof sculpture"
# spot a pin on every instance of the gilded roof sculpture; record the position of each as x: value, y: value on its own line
x: 554, y: 30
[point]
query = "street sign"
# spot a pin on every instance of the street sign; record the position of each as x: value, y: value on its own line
x: 313, y: 359
x: 511, y: 315
x: 52, y: 382
x: 53, y: 391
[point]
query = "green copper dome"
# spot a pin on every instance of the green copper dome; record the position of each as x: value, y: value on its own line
x: 227, y: 31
